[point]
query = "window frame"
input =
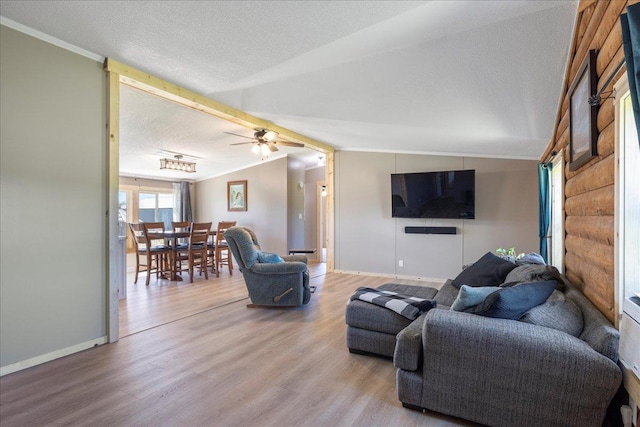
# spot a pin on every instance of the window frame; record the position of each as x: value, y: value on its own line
x: 622, y: 291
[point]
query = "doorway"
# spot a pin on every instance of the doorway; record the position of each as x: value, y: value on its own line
x: 321, y: 222
x: 122, y: 74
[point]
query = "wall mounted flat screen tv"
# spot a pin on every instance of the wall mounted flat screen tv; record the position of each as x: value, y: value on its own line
x: 446, y: 194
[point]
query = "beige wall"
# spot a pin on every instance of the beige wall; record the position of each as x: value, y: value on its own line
x: 53, y: 200
x: 266, y: 202
x: 369, y: 240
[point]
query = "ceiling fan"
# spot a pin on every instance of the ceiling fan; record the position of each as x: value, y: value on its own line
x: 265, y: 142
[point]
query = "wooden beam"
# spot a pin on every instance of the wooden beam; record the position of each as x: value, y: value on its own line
x: 141, y: 80
x: 113, y: 130
x: 329, y: 209
x: 585, y: 4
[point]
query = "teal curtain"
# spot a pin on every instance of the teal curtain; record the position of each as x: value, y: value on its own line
x: 544, y: 170
x: 630, y: 22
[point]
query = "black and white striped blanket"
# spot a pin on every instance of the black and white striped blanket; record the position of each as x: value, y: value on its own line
x: 406, y: 306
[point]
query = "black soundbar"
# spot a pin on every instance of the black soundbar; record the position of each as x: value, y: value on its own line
x: 430, y: 230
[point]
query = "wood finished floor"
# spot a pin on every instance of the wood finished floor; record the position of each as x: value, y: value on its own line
x: 222, y: 364
x: 164, y: 301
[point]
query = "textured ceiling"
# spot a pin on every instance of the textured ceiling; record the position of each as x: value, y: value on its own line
x: 152, y: 128
x: 450, y: 77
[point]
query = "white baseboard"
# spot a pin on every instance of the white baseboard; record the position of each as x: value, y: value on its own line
x: 38, y: 360
x: 393, y: 276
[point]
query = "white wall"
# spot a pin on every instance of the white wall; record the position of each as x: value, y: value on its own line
x: 53, y: 200
x: 369, y: 240
x: 266, y: 202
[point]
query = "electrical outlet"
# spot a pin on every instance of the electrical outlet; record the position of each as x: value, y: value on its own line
x: 401, y: 263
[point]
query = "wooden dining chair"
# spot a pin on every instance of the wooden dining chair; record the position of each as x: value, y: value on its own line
x: 180, y: 225
x: 149, y: 258
x: 179, y: 262
x: 196, y: 252
x: 221, y: 253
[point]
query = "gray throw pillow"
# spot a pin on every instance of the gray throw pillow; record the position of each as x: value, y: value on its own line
x: 531, y: 258
x: 533, y: 273
x: 559, y: 313
x: 513, y: 302
x: 490, y: 270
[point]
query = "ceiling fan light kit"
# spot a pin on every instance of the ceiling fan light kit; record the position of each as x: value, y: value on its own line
x: 178, y: 165
x: 265, y: 142
x: 269, y: 135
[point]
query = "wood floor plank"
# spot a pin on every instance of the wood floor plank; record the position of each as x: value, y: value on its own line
x: 206, y: 359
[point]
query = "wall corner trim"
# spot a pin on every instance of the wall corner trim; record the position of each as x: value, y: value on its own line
x: 50, y: 39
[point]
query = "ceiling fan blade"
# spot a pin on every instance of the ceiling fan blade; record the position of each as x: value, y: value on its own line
x: 242, y: 143
x: 231, y: 133
x: 272, y: 147
x: 289, y: 144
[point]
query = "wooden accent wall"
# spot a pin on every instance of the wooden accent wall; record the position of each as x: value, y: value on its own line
x: 589, y: 191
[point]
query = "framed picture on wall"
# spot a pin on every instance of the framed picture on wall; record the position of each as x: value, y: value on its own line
x: 583, y: 117
x: 236, y: 196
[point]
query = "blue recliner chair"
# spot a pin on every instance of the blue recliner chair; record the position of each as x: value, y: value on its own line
x: 276, y: 281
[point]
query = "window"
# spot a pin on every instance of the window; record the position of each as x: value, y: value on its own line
x: 557, y: 213
x: 156, y: 207
x: 627, y: 206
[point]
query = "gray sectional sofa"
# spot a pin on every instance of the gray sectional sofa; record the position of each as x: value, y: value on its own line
x: 556, y: 365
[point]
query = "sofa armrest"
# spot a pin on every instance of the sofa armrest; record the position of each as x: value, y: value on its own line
x: 279, y: 268
x: 295, y: 258
x: 408, y: 351
x: 508, y: 370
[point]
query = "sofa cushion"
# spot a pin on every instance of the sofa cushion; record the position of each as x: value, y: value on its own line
x: 446, y: 295
x: 490, y: 270
x: 559, y: 313
x: 267, y: 257
x: 533, y: 273
x: 598, y: 332
x: 513, y: 302
x: 471, y: 295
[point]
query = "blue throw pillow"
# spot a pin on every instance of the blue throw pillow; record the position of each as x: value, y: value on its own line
x: 489, y: 270
x: 513, y: 302
x: 470, y: 296
x: 266, y: 257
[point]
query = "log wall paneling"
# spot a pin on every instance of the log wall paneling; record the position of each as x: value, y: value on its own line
x: 601, y: 176
x: 589, y: 191
x: 606, y: 140
x: 593, y: 203
x: 594, y: 228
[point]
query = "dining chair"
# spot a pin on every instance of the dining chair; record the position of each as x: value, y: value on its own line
x: 180, y: 263
x: 180, y: 225
x: 154, y: 232
x: 154, y: 255
x: 219, y: 252
x: 196, y: 252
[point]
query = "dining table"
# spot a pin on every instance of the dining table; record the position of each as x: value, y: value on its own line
x: 170, y: 238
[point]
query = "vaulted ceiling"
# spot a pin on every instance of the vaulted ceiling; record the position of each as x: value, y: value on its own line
x: 478, y: 78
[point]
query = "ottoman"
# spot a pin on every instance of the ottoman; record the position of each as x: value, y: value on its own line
x: 372, y: 329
